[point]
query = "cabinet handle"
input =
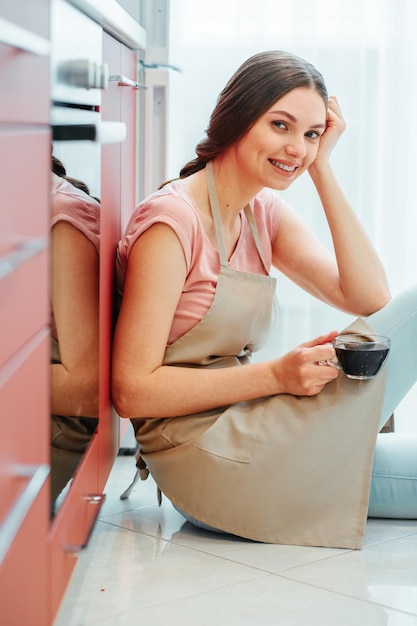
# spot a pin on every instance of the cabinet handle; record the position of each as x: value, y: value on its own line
x: 101, y: 132
x: 37, y: 475
x: 95, y: 500
x: 13, y: 35
x: 122, y: 81
x: 25, y: 251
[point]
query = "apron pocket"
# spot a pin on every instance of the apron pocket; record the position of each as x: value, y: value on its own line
x: 180, y: 430
x: 234, y: 434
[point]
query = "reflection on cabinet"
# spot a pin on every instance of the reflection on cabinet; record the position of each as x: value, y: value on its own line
x: 75, y: 518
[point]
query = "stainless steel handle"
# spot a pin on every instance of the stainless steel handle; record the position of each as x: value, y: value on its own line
x: 159, y: 66
x: 24, y: 251
x: 122, y: 81
x: 13, y: 35
x: 96, y: 500
x: 37, y: 475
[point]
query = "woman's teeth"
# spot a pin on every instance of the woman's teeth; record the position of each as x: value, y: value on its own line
x: 282, y: 166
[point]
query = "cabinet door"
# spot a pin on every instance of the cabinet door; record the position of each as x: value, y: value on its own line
x: 24, y: 488
x: 24, y: 373
x: 118, y: 200
x: 130, y: 100
x: 110, y: 232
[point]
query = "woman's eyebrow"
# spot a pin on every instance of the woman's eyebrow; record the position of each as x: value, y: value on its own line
x: 294, y: 119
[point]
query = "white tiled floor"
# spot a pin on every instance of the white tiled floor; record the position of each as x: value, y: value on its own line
x: 146, y: 565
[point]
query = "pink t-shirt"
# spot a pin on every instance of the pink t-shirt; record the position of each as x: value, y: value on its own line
x: 174, y: 206
x: 70, y: 204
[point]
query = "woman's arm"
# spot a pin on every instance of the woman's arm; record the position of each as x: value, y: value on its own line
x: 352, y: 280
x: 143, y: 387
x: 75, y: 289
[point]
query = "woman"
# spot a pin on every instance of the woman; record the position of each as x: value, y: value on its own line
x: 279, y: 451
x: 75, y: 242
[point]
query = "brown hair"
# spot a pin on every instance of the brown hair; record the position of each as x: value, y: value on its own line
x: 59, y: 169
x: 258, y: 83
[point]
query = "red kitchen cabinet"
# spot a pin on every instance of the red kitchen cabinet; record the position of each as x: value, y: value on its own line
x: 24, y: 313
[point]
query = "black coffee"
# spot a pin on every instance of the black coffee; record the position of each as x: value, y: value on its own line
x: 364, y: 361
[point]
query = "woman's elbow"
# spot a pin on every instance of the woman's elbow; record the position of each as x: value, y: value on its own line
x: 123, y: 398
x: 378, y: 302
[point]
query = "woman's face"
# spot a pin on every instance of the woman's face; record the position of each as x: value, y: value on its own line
x: 284, y: 141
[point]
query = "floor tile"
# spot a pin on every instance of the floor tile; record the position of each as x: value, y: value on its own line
x: 170, y: 525
x: 121, y: 568
x: 146, y: 564
x: 385, y: 573
x: 381, y: 530
x: 266, y: 601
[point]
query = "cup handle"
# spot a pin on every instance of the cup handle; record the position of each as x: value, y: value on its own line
x: 332, y: 363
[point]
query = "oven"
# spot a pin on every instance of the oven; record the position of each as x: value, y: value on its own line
x: 78, y: 77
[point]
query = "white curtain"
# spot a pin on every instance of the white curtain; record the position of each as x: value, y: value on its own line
x: 367, y: 53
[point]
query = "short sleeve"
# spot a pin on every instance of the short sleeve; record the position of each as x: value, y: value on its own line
x: 72, y: 205
x: 163, y: 208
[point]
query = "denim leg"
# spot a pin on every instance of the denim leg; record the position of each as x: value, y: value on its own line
x: 398, y: 320
x: 394, y: 475
x: 196, y: 522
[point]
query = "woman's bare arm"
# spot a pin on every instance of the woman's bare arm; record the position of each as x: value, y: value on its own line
x: 143, y: 387
x: 353, y: 279
x: 75, y: 289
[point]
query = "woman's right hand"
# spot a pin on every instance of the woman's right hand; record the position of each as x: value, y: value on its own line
x: 303, y: 370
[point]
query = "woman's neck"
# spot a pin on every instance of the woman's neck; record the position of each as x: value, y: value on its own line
x: 233, y: 191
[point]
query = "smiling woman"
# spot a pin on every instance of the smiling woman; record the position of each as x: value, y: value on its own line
x: 367, y: 52
x: 197, y: 299
x: 289, y: 141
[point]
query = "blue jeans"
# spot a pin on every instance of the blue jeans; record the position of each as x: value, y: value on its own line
x: 394, y: 475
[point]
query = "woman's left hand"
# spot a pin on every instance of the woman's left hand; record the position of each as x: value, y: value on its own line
x: 335, y: 125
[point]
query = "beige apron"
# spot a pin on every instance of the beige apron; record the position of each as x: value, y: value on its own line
x: 281, y: 469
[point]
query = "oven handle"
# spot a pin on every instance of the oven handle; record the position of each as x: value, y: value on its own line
x: 101, y: 132
x: 123, y: 81
x: 22, y: 39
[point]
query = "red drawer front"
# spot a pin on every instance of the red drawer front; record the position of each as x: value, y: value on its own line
x: 24, y: 484
x: 24, y: 61
x: 24, y: 305
x: 25, y: 185
x: 24, y: 237
x: 25, y: 78
x: 25, y: 410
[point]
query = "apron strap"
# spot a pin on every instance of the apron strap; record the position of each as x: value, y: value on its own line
x: 215, y: 210
x: 256, y: 236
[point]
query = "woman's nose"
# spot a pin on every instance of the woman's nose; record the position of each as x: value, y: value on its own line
x: 296, y: 147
